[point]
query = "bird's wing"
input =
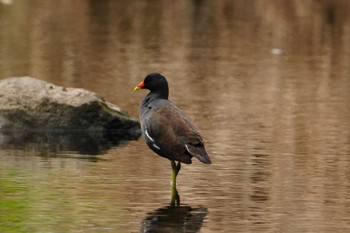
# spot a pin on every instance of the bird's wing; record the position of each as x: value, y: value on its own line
x: 162, y: 129
x: 175, y: 134
x: 193, y: 143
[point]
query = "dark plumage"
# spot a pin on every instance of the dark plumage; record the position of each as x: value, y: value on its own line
x: 166, y: 129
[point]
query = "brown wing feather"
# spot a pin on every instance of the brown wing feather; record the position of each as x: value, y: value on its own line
x: 176, y: 135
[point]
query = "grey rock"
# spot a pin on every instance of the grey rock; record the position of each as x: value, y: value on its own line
x: 27, y: 103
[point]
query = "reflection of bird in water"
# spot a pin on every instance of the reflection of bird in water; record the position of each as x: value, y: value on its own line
x: 167, y: 131
x: 174, y: 219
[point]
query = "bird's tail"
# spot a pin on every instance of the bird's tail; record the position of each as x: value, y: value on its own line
x: 199, y: 152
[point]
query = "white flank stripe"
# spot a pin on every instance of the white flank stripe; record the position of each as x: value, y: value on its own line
x: 155, y: 146
x: 188, y: 149
x: 149, y: 137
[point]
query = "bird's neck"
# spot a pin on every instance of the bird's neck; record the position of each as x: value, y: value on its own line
x: 159, y: 94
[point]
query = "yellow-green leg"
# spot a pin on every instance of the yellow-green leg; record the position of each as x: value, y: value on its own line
x: 175, y: 198
x: 175, y: 170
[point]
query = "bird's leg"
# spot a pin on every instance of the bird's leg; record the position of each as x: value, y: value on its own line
x: 175, y: 198
x: 175, y: 170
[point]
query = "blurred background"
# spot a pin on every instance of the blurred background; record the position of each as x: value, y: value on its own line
x: 267, y: 82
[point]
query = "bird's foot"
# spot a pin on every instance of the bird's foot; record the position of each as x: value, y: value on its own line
x: 175, y: 197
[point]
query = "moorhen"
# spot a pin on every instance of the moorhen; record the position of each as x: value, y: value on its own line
x: 166, y: 129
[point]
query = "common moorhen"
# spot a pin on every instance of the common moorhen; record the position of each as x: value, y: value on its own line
x: 166, y: 129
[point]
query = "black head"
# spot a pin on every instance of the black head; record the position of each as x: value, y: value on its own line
x: 156, y: 83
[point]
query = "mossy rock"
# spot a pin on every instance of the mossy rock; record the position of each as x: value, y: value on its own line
x: 29, y: 104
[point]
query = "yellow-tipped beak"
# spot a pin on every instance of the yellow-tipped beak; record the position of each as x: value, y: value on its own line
x: 139, y: 87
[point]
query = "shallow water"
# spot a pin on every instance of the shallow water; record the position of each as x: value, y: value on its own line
x: 266, y: 82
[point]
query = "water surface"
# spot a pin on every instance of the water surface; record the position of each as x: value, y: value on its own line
x: 266, y: 82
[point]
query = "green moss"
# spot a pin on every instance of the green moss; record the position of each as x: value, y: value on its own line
x: 14, y: 205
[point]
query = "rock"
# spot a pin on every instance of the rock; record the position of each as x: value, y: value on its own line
x: 30, y: 104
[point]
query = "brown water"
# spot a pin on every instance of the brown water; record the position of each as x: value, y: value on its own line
x: 266, y: 82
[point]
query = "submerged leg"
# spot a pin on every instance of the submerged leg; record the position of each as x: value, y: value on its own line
x: 175, y: 197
